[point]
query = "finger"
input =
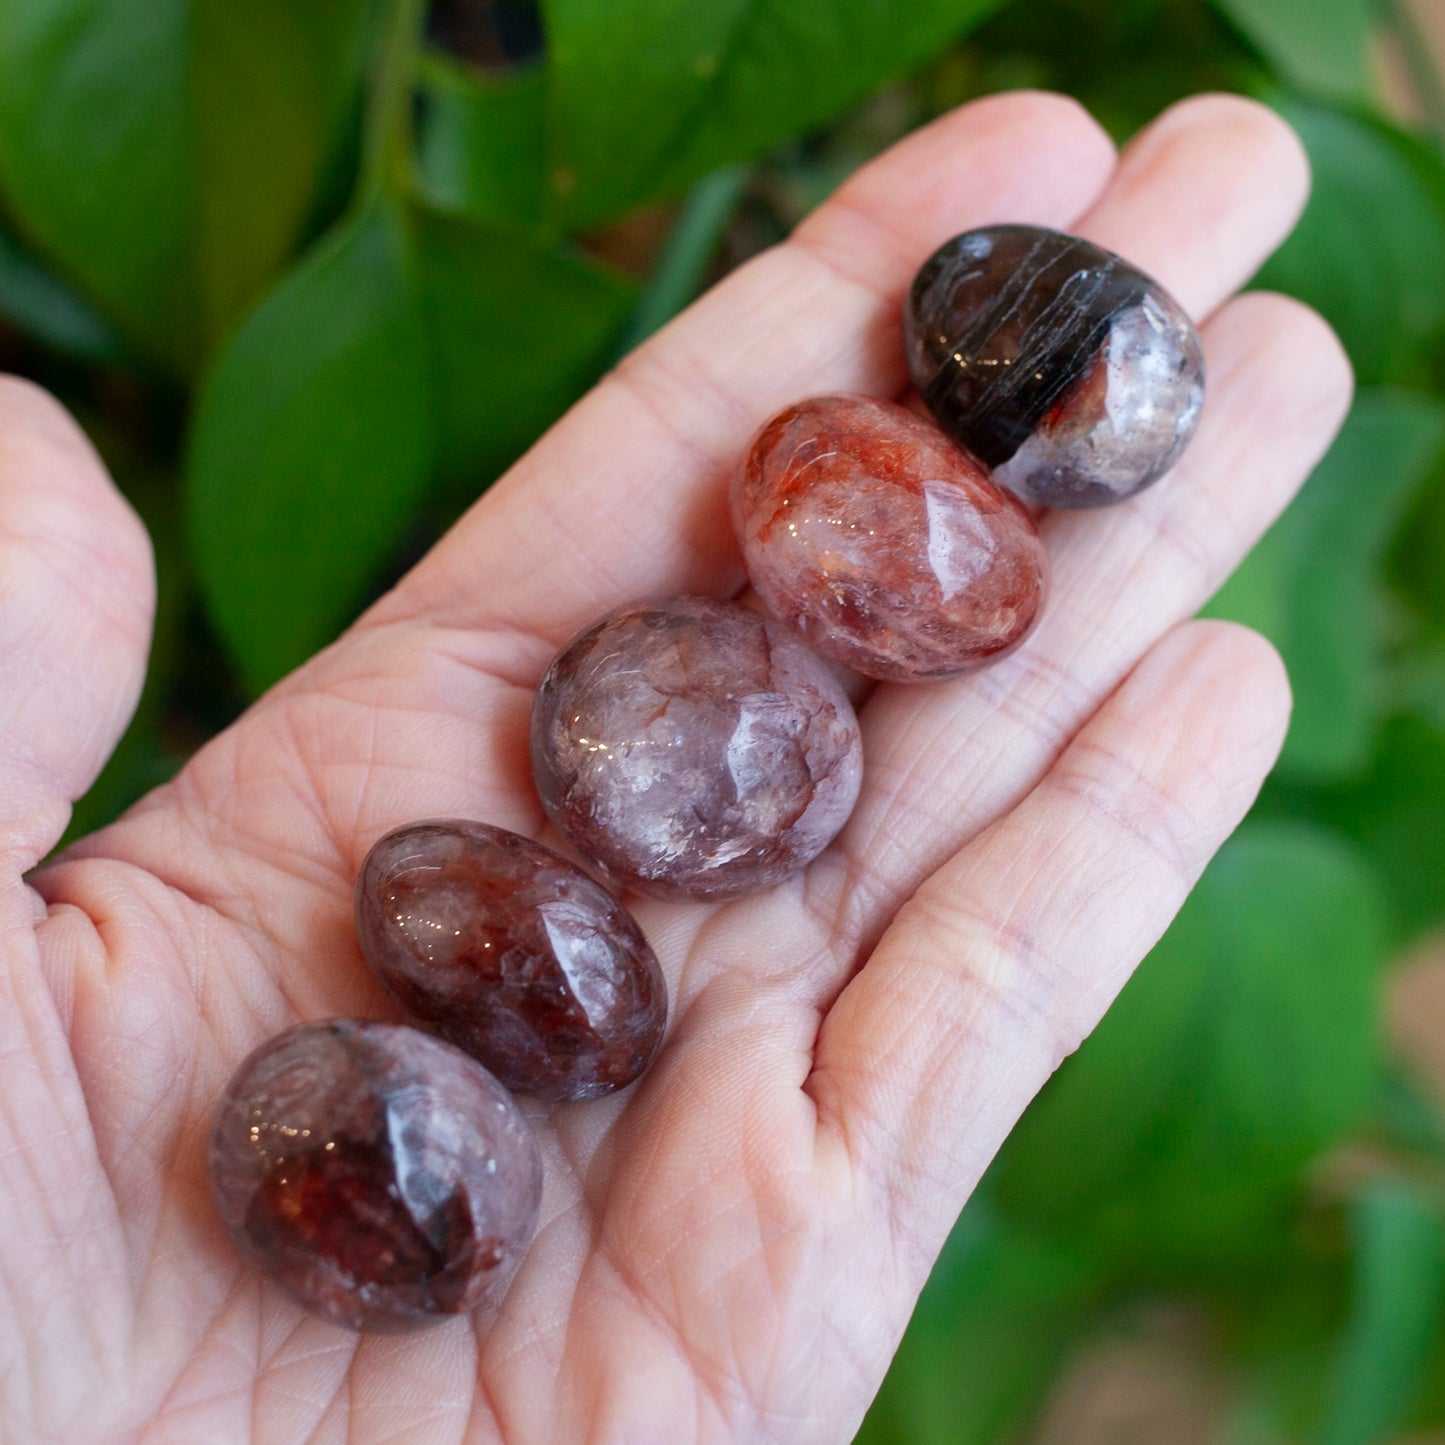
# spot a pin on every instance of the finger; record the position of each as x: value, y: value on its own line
x: 76, y: 599
x: 1009, y: 955
x: 943, y: 761
x: 1202, y: 195
x: 626, y: 496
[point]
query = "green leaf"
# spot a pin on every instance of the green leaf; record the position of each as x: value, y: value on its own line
x: 642, y: 109
x: 93, y: 145
x: 1125, y: 61
x: 311, y: 448
x: 1369, y: 252
x: 1280, y: 1331
x: 989, y: 1332
x: 1244, y: 1045
x: 1404, y: 1117
x: 1396, y: 1316
x: 1313, y: 585
x: 1321, y: 46
x: 40, y: 303
x: 1394, y: 813
x: 270, y: 85
x: 481, y: 144
x: 1415, y: 565
x: 163, y: 154
x: 518, y: 331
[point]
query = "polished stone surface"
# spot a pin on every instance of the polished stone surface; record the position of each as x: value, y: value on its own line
x: 886, y: 546
x: 513, y: 954
x: 381, y: 1177
x: 694, y: 749
x: 1070, y: 373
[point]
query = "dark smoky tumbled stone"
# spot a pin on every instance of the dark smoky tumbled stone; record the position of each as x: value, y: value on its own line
x: 1069, y: 372
x: 381, y: 1177
x: 513, y: 954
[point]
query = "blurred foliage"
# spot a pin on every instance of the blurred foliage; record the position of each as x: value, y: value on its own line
x: 314, y: 274
x: 1315, y: 585
x: 1191, y: 1174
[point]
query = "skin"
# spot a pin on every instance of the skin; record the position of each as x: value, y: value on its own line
x: 730, y: 1249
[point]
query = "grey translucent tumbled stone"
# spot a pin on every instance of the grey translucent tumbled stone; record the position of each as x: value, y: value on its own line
x: 694, y: 749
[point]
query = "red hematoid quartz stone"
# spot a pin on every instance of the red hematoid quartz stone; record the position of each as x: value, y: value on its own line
x: 378, y: 1175
x: 883, y: 543
x: 514, y: 955
x: 694, y: 749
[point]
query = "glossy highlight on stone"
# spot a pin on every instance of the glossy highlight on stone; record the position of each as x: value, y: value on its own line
x: 694, y: 749
x: 514, y: 954
x: 886, y: 546
x: 381, y: 1177
x: 1069, y: 372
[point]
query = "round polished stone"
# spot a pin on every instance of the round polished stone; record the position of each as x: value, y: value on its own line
x: 381, y: 1177
x: 886, y: 546
x: 514, y: 954
x: 694, y: 749
x: 1069, y: 372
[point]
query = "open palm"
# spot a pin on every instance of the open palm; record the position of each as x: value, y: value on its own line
x: 729, y: 1249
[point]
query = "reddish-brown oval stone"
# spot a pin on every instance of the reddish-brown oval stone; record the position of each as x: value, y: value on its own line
x: 381, y: 1177
x: 883, y: 543
x: 694, y: 749
x: 514, y: 954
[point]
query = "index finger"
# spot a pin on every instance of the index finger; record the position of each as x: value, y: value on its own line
x: 625, y: 496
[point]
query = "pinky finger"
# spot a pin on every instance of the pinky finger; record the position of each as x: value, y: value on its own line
x: 1008, y: 956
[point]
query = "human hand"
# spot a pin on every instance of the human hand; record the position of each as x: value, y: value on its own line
x: 730, y: 1248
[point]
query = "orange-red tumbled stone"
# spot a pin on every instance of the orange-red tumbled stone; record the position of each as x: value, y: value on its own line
x: 888, y: 547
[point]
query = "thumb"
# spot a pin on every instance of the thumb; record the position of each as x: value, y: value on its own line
x: 77, y: 595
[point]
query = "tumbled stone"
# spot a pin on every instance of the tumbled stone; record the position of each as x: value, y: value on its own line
x: 1065, y: 369
x: 514, y: 954
x: 694, y: 749
x: 886, y: 546
x: 381, y: 1177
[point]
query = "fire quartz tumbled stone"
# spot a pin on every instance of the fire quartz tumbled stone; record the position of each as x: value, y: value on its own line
x: 886, y: 546
x: 378, y: 1175
x: 1065, y: 369
x: 514, y: 954
x: 694, y: 749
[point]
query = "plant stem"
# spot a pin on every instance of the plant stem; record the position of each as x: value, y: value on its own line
x: 690, y: 247
x: 1399, y: 1257
x: 386, y: 135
